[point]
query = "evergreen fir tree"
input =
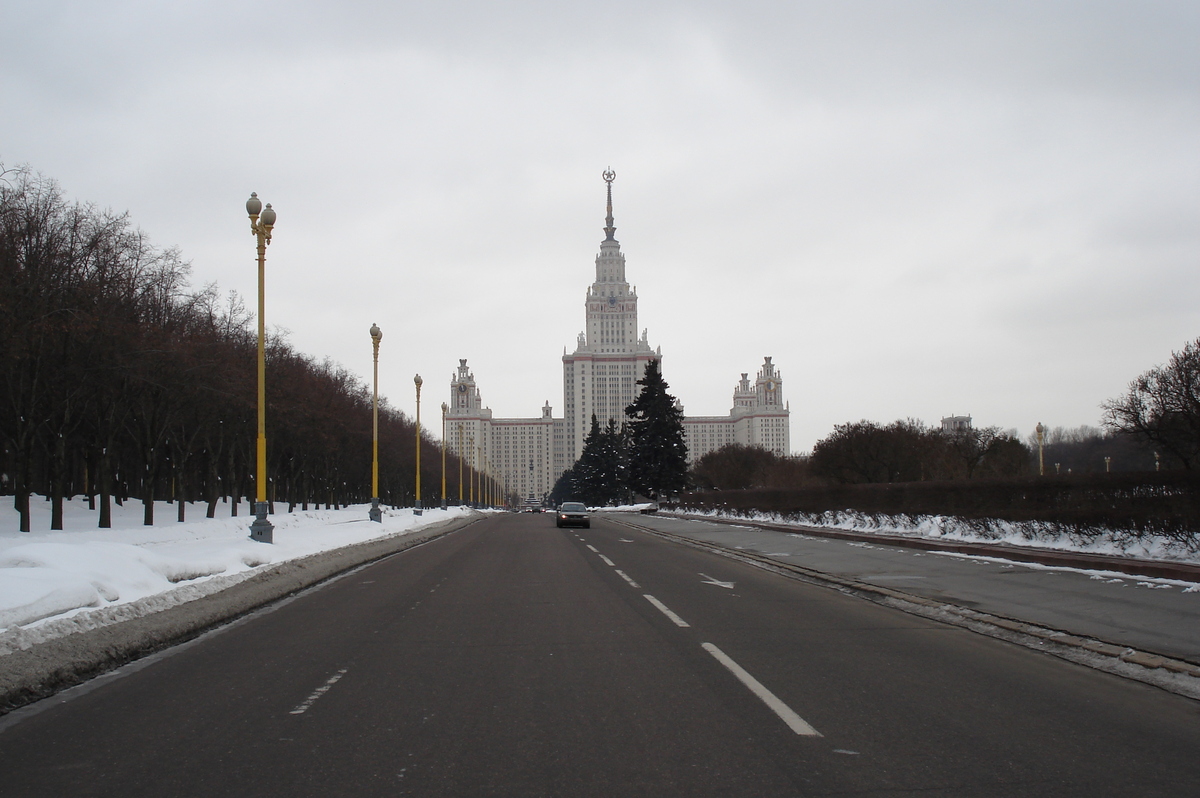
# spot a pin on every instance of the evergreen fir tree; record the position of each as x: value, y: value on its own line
x: 589, y: 467
x: 564, y: 488
x: 610, y: 464
x: 599, y: 476
x: 657, y: 453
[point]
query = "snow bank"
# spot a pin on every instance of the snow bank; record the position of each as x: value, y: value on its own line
x: 82, y: 577
x: 1120, y: 543
x: 624, y: 508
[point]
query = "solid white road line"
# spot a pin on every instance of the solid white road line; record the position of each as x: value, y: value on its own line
x: 593, y: 548
x: 608, y: 561
x: 320, y: 691
x: 625, y: 576
x: 794, y: 721
x: 665, y: 611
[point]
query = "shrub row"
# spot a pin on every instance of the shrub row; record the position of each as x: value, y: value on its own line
x: 1083, y: 506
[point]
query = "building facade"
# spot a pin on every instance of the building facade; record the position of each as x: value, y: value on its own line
x: 759, y: 417
x: 527, y: 455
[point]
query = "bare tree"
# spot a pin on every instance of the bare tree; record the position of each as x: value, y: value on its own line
x: 1162, y: 406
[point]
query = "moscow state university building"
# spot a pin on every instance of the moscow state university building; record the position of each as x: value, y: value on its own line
x: 527, y: 455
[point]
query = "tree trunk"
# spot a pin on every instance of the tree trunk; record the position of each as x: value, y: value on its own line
x: 182, y: 497
x: 88, y: 488
x: 148, y: 505
x: 105, y: 490
x: 21, y: 504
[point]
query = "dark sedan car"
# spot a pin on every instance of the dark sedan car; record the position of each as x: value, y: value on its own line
x: 573, y: 514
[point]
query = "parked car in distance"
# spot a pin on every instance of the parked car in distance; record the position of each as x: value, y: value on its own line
x: 573, y: 514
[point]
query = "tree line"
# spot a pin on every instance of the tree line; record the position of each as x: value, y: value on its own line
x: 120, y: 381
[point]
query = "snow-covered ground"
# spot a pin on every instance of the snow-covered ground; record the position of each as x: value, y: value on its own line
x: 623, y: 508
x: 1117, y: 542
x: 56, y: 582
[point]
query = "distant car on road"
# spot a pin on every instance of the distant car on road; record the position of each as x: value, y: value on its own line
x: 573, y: 514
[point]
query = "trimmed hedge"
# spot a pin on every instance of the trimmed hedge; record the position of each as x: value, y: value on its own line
x: 1134, y: 504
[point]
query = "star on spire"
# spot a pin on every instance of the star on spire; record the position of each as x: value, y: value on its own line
x: 609, y: 177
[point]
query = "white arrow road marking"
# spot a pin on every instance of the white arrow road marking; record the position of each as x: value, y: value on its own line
x: 665, y: 610
x: 708, y: 580
x: 320, y: 691
x: 794, y: 721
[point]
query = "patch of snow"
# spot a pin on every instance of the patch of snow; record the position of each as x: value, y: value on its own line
x: 1116, y: 542
x: 82, y: 577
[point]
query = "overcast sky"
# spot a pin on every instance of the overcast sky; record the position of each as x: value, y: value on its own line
x: 916, y: 208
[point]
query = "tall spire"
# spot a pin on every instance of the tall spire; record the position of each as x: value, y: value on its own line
x: 609, y: 177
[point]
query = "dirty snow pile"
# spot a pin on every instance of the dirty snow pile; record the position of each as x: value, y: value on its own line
x: 56, y: 582
x: 1117, y: 543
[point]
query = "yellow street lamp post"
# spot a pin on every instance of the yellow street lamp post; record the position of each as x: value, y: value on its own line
x: 471, y: 443
x: 479, y: 472
x: 459, y: 451
x: 417, y: 506
x: 375, y: 513
x: 445, y: 408
x: 262, y: 222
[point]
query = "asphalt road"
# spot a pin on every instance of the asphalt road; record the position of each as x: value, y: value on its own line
x: 1147, y: 614
x: 512, y: 658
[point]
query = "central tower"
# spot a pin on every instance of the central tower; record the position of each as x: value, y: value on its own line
x: 600, y: 376
x: 611, y: 305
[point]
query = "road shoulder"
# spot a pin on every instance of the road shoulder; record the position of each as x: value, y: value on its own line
x: 42, y: 670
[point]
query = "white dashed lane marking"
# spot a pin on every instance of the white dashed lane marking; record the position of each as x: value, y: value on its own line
x: 666, y: 610
x: 625, y: 576
x: 786, y: 714
x: 303, y: 706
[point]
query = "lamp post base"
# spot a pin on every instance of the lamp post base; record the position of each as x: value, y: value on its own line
x: 375, y: 514
x: 417, y: 508
x: 261, y: 529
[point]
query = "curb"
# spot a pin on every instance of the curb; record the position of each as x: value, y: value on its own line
x: 50, y: 667
x: 1175, y: 676
x: 1160, y: 569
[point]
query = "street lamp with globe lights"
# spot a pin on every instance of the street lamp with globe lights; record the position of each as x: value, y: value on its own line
x: 375, y: 514
x: 262, y: 222
x: 1041, y: 438
x: 417, y: 506
x: 445, y: 409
